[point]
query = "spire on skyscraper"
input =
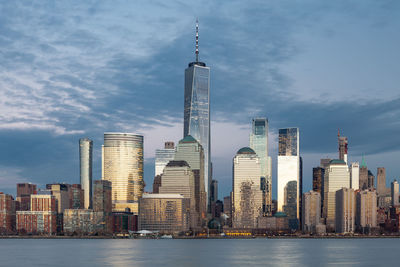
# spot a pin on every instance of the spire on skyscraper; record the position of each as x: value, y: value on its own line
x: 363, y: 164
x: 197, y: 40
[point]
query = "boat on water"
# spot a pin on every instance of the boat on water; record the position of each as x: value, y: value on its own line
x: 166, y: 237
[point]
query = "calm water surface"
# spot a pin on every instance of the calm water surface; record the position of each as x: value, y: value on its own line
x: 212, y: 252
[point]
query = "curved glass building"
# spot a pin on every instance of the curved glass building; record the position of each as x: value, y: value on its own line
x: 85, y: 164
x: 122, y: 165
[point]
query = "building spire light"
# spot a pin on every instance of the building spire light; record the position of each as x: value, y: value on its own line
x: 197, y: 40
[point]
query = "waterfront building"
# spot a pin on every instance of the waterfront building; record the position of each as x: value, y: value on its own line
x: 167, y: 213
x: 363, y: 184
x: 337, y: 176
x: 366, y: 216
x: 60, y: 192
x: 7, y: 214
x: 247, y: 192
x: 123, y: 222
x: 78, y: 221
x: 259, y: 143
x: 355, y: 175
x: 102, y: 197
x: 86, y: 167
x: 190, y: 150
x: 345, y: 211
x: 228, y: 209
x: 290, y: 205
x: 213, y: 197
x: 289, y: 165
x: 178, y: 178
x: 24, y: 192
x: 382, y: 190
x: 163, y: 156
x: 122, y: 165
x: 76, y: 197
x: 343, y: 143
x: 311, y: 211
x: 197, y: 110
x: 395, y: 193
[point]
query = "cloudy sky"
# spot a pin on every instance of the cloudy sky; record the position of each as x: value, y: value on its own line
x: 76, y: 69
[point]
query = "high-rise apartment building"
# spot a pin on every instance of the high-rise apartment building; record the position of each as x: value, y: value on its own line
x: 247, y: 191
x: 24, y: 192
x: 178, y: 178
x: 288, y: 165
x: 311, y: 211
x: 122, y: 165
x: 163, y: 156
x: 345, y: 211
x: 197, y: 109
x: 355, y: 175
x: 342, y: 140
x: 259, y: 143
x: 86, y: 166
x: 337, y: 176
x: 190, y: 150
x: 7, y: 214
x: 395, y: 193
x: 366, y: 216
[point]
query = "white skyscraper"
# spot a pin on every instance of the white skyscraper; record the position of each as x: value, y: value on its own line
x: 355, y: 175
x: 288, y: 165
x: 395, y: 193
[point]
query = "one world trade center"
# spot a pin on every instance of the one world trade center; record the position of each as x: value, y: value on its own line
x: 197, y: 108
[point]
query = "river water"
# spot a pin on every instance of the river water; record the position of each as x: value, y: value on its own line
x: 206, y: 252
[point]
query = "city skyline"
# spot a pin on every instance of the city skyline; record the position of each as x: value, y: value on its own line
x: 33, y: 132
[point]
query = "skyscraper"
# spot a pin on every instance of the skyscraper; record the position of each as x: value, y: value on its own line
x: 345, y: 210
x: 122, y: 165
x: 259, y: 143
x: 366, y: 212
x: 318, y: 179
x: 85, y: 163
x: 288, y: 164
x: 342, y: 140
x: 311, y: 211
x: 337, y: 176
x: 197, y: 109
x: 290, y: 207
x: 247, y: 193
x: 355, y: 175
x: 395, y: 193
x: 381, y: 181
x: 363, y: 184
x: 163, y: 156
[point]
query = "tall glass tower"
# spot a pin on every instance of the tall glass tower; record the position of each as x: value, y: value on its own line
x: 259, y: 143
x: 85, y: 163
x: 197, y: 108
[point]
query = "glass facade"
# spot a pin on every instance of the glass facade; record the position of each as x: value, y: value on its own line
x: 122, y: 165
x: 86, y: 162
x: 163, y: 156
x: 197, y: 111
x: 259, y: 143
x: 289, y: 165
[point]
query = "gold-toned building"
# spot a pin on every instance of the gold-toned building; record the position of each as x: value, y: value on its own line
x: 167, y: 213
x: 122, y: 165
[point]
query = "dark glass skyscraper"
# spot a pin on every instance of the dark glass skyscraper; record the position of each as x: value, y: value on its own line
x: 197, y: 109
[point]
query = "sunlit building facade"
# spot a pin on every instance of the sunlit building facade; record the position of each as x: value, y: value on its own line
x: 345, y: 210
x: 366, y: 210
x: 86, y: 166
x: 259, y: 143
x: 355, y: 175
x: 122, y: 165
x: 163, y: 156
x: 197, y: 109
x: 247, y: 193
x: 288, y: 165
x: 311, y: 211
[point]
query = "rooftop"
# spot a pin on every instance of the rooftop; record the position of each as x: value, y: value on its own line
x: 337, y: 161
x: 246, y: 150
x: 188, y: 139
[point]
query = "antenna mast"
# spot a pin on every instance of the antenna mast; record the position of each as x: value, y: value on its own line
x: 197, y: 40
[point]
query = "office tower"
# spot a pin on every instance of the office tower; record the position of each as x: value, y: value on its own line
x: 363, y: 184
x: 381, y: 182
x: 122, y: 165
x: 395, y: 193
x: 259, y: 143
x: 355, y: 175
x: 247, y: 192
x: 41, y: 218
x: 371, y: 180
x: 86, y: 166
x: 311, y: 211
x: 178, y: 178
x: 61, y: 193
x: 76, y: 197
x: 7, y: 214
x: 163, y: 156
x: 197, y: 110
x: 290, y: 206
x: 337, y: 176
x: 228, y: 210
x: 288, y: 164
x: 213, y: 196
x: 342, y: 147
x: 102, y: 198
x: 156, y: 184
x: 366, y: 216
x: 190, y: 150
x: 24, y: 192
x: 167, y: 213
x: 318, y: 177
x: 345, y: 210
x: 324, y: 163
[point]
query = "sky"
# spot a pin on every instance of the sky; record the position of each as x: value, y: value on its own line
x: 74, y: 69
